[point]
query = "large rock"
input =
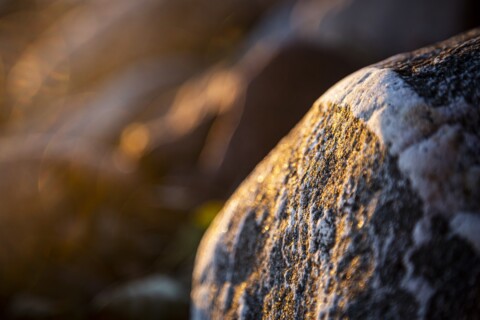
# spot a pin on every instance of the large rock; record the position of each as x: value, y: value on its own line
x: 369, y: 208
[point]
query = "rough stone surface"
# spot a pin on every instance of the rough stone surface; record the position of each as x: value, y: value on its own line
x: 368, y: 209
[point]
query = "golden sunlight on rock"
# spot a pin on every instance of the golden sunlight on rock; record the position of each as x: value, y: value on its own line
x: 126, y: 125
x: 356, y: 213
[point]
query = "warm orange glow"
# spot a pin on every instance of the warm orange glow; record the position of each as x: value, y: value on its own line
x: 134, y: 140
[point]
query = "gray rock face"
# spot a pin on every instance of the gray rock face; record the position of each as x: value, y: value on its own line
x: 368, y: 209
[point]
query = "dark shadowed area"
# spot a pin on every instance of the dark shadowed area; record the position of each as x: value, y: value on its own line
x: 125, y: 125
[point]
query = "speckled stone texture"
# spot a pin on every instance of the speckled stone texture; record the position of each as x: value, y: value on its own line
x: 368, y: 209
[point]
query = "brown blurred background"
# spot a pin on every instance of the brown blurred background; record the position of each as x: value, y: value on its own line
x: 126, y: 124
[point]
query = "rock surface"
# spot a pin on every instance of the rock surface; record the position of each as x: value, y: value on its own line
x: 124, y: 125
x: 369, y: 208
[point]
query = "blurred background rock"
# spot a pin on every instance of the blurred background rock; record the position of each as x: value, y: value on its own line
x: 125, y: 125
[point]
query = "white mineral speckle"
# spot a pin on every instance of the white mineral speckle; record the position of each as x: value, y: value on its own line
x: 387, y: 105
x: 426, y: 145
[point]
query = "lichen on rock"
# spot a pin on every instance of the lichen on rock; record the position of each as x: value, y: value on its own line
x: 368, y: 209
